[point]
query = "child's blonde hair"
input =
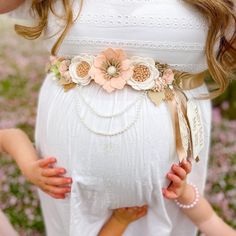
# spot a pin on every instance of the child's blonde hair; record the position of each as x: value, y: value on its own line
x: 219, y: 13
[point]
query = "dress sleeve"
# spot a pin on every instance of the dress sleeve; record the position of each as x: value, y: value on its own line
x: 23, y: 12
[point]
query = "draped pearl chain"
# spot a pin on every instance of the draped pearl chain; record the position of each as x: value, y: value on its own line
x: 137, y: 103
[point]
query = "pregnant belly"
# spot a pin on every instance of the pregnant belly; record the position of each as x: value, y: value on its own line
x: 124, y: 169
x: 117, y: 147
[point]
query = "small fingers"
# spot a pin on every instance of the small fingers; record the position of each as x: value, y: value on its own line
x: 135, y: 209
x: 142, y: 209
x: 120, y: 209
x: 57, y: 181
x: 187, y: 166
x: 179, y: 171
x: 142, y: 212
x: 176, y: 181
x: 47, y: 161
x: 57, y: 190
x: 49, y: 172
x: 56, y: 196
x: 169, y: 194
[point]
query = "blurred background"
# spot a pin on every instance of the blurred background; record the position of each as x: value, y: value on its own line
x: 22, y: 70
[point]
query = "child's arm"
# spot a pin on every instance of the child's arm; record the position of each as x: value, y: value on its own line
x: 202, y: 214
x: 16, y: 143
x: 120, y: 219
x: 9, y: 5
x: 6, y: 229
x: 206, y: 219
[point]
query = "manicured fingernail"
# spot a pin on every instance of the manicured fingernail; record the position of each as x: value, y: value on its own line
x: 69, y: 180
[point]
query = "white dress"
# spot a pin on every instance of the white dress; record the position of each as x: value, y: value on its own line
x: 126, y: 165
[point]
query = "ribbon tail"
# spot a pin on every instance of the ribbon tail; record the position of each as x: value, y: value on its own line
x: 173, y: 107
x: 181, y: 126
x: 186, y: 134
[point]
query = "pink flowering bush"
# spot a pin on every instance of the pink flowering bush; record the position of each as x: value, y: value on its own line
x: 221, y: 184
x: 21, y: 75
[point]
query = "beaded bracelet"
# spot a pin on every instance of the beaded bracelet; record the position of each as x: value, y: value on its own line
x: 194, y: 203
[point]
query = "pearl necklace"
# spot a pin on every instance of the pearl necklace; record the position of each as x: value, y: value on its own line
x: 119, y: 113
x: 138, y: 102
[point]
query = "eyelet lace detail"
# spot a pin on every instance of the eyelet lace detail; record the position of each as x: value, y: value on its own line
x: 132, y: 46
x: 136, y: 44
x: 148, y: 21
x: 177, y: 39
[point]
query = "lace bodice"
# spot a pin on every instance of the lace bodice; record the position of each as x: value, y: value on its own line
x: 170, y: 31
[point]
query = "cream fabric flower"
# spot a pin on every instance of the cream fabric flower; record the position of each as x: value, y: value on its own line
x: 79, y: 69
x: 145, y: 73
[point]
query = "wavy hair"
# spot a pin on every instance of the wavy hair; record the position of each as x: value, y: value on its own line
x: 222, y: 31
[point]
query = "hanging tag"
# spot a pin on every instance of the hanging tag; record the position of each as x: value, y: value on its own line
x: 196, y: 126
x: 184, y: 132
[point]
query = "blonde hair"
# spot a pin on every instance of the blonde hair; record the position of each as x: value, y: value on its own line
x: 219, y: 13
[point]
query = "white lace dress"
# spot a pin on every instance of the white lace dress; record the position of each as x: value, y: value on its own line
x: 118, y: 147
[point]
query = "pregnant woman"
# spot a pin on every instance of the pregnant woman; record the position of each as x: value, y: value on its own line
x: 105, y: 107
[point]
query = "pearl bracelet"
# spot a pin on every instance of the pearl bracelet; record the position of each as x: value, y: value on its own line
x: 194, y: 203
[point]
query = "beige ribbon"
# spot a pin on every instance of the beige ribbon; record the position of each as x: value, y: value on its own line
x: 187, y: 81
x: 176, y: 128
x: 178, y: 105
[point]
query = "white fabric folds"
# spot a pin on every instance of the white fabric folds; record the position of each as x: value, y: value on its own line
x: 130, y: 168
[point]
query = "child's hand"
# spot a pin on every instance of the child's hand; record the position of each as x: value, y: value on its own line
x: 129, y: 214
x: 177, y: 176
x: 120, y: 220
x: 48, y: 179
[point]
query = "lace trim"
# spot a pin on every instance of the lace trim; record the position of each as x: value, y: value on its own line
x: 147, y: 21
x: 159, y: 45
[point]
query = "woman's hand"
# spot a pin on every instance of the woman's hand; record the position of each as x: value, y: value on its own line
x: 177, y: 175
x: 49, y: 179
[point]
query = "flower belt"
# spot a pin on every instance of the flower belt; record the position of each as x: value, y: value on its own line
x: 112, y: 69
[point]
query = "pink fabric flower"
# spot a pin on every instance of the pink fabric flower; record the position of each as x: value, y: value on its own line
x: 67, y: 77
x: 111, y: 69
x: 168, y: 76
x: 63, y: 67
